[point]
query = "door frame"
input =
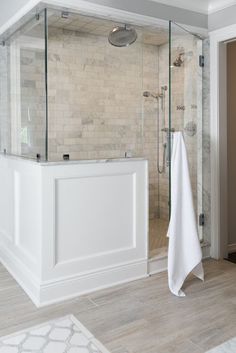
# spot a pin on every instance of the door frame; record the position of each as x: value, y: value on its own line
x: 218, y: 134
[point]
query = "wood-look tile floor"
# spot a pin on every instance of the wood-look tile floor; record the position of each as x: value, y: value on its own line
x: 141, y: 316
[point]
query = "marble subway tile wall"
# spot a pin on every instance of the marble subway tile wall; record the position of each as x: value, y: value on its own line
x: 96, y: 104
x: 22, y: 101
x: 150, y: 121
x: 187, y: 109
x: 186, y: 93
x: 95, y: 97
x: 32, y: 102
x: 164, y: 123
x: 185, y: 106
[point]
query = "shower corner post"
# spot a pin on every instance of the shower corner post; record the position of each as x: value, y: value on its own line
x: 170, y: 113
x: 46, y: 81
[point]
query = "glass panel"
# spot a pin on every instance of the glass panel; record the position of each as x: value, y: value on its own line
x: 95, y: 90
x: 186, y: 102
x: 23, y: 98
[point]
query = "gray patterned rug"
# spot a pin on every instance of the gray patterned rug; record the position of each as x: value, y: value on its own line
x: 65, y: 335
x: 227, y: 347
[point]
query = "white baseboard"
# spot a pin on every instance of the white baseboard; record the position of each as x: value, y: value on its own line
x: 231, y: 248
x: 23, y: 276
x: 206, y: 249
x: 157, y: 264
x: 69, y: 288
x: 47, y: 293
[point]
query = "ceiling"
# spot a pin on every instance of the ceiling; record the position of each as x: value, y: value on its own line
x: 102, y: 27
x: 202, y: 6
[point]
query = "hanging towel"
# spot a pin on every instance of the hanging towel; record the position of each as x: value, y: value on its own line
x: 184, y: 253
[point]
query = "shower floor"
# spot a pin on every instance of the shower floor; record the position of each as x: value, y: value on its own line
x: 158, y: 240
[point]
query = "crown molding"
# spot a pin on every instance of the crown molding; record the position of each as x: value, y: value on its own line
x: 220, y: 5
x: 200, y: 6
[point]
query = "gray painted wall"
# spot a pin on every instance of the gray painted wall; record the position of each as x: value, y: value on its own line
x: 222, y: 18
x: 154, y: 9
x: 8, y: 8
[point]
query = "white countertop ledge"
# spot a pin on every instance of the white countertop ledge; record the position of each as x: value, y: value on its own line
x: 72, y: 162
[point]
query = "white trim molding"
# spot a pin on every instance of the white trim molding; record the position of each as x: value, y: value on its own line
x: 201, y: 6
x: 157, y: 264
x: 218, y: 5
x: 51, y: 292
x: 218, y: 144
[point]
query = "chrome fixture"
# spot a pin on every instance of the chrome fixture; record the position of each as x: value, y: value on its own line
x: 165, y: 143
x: 168, y: 132
x: 182, y: 57
x: 122, y: 36
x: 179, y: 61
x: 151, y: 94
x: 166, y: 129
x: 161, y: 169
x: 157, y: 95
x: 65, y: 15
x: 163, y: 90
x: 190, y: 128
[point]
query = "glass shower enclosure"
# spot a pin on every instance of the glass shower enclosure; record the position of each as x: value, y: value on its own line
x: 65, y: 92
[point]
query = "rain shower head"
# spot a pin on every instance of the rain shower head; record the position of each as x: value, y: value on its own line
x: 122, y: 36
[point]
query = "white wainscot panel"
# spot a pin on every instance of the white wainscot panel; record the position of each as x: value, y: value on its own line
x: 6, y: 203
x: 27, y: 214
x: 94, y: 216
x: 72, y: 228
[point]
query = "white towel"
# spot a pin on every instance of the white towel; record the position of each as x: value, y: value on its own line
x: 184, y: 253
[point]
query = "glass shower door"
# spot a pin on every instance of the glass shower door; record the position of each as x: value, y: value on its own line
x: 185, y: 104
